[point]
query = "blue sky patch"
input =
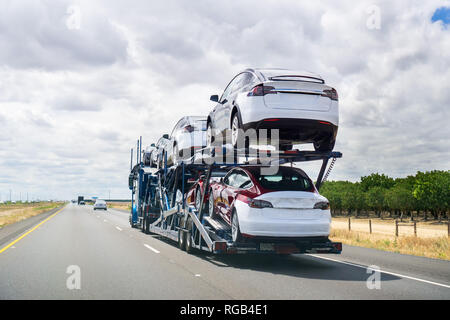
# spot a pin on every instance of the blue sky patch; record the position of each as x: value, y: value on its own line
x: 442, y: 14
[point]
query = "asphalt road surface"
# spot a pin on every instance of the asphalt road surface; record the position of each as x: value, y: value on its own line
x: 114, y: 261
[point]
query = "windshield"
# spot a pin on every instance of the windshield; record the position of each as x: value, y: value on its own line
x: 286, y: 179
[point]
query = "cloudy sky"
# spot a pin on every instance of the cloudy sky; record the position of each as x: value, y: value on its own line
x: 80, y: 81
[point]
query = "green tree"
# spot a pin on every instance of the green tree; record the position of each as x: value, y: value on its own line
x: 375, y: 199
x: 376, y: 180
x: 432, y: 190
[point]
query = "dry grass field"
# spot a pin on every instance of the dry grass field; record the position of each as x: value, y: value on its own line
x: 120, y: 205
x: 431, y: 241
x: 11, y: 213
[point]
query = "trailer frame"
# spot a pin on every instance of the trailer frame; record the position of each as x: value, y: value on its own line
x: 192, y: 229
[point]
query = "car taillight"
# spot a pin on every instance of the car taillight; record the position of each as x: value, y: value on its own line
x: 330, y: 93
x: 189, y: 128
x: 255, y: 203
x: 322, y: 205
x: 261, y: 90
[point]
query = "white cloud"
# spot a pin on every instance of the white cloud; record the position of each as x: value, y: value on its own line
x: 73, y: 101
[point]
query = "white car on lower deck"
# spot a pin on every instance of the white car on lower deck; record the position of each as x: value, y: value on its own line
x: 285, y: 204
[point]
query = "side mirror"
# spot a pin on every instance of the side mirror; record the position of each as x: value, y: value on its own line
x: 214, y: 98
x: 152, y: 145
x: 221, y: 180
x: 165, y: 136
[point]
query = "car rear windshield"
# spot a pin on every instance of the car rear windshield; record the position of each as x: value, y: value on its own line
x: 286, y: 179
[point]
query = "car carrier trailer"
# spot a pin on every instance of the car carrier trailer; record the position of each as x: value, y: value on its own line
x: 159, y: 205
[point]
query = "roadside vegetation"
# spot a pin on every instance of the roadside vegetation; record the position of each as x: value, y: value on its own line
x: 14, y: 212
x: 438, y: 248
x: 423, y: 198
x: 120, y: 205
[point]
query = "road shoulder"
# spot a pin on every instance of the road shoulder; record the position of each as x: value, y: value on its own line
x: 12, y: 231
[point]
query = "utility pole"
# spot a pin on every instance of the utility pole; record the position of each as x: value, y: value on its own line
x: 10, y: 195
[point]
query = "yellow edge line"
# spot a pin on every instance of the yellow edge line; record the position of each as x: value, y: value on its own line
x: 30, y: 231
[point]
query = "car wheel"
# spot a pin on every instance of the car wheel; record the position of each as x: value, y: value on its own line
x: 209, y: 136
x: 235, y: 231
x: 211, y: 210
x: 236, y: 128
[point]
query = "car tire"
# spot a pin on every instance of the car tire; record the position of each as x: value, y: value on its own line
x: 209, y: 136
x: 236, y: 127
x: 235, y: 230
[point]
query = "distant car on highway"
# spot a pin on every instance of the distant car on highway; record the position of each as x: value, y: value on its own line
x: 297, y: 103
x: 82, y: 203
x: 188, y: 135
x: 256, y: 205
x: 100, y: 204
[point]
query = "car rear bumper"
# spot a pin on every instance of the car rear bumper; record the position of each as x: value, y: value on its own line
x: 256, y: 223
x: 297, y: 130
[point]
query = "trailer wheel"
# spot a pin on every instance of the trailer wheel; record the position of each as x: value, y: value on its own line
x: 189, y: 247
x: 181, y: 239
x: 144, y: 224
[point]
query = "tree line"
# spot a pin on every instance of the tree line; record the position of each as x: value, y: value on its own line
x: 424, y: 194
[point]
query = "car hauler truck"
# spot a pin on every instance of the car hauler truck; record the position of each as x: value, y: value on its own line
x: 159, y: 206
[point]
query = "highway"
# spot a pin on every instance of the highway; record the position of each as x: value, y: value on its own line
x: 118, y: 262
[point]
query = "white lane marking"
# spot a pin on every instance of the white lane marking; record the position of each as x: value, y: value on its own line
x: 98, y: 216
x: 104, y: 220
x: 118, y: 228
x: 386, y: 272
x: 151, y: 248
x: 198, y: 275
